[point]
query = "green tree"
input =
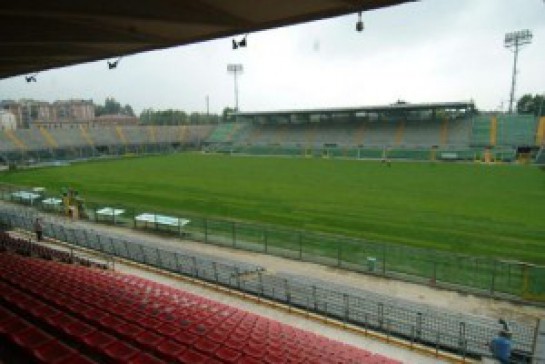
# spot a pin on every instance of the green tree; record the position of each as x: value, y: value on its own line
x: 531, y: 104
x: 127, y: 110
x: 112, y: 107
x: 227, y: 114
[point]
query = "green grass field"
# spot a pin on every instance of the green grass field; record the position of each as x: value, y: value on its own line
x: 473, y: 209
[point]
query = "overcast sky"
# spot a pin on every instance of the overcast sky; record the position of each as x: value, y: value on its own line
x: 428, y: 51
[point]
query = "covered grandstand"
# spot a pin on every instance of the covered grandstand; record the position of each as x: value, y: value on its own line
x: 431, y: 131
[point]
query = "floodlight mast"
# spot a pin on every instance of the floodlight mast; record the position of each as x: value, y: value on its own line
x: 235, y: 69
x: 514, y: 41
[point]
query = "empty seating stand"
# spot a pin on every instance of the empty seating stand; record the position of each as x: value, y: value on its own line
x: 76, y: 314
x: 26, y: 247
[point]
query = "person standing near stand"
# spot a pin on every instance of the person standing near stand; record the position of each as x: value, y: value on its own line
x: 501, y: 345
x: 38, y: 228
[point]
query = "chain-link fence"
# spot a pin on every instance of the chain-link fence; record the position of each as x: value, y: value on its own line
x: 481, y: 275
x: 463, y: 334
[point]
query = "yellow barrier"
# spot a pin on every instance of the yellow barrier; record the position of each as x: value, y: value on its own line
x: 18, y: 142
x: 86, y: 136
x: 48, y: 137
x: 493, y: 130
x: 540, y: 136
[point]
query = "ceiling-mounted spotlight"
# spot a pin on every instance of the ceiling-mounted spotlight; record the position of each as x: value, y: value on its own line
x: 359, y: 24
x: 240, y: 44
x: 31, y: 78
x: 113, y: 64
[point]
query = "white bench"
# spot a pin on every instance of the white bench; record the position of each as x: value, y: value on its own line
x: 161, y: 220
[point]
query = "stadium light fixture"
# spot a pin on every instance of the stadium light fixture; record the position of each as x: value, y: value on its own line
x: 515, y: 41
x: 240, y: 44
x: 243, y: 42
x: 31, y: 78
x: 359, y: 23
x: 113, y: 64
x: 235, y: 69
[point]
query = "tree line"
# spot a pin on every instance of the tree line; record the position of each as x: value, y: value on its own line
x: 176, y: 117
x: 112, y: 107
x: 151, y: 116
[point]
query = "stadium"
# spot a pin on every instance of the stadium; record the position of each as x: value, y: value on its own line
x: 328, y: 235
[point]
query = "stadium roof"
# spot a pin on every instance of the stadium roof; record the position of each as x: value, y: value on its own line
x: 37, y: 35
x: 397, y: 107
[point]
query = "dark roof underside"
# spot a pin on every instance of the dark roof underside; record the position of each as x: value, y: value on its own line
x: 404, y: 107
x: 37, y: 35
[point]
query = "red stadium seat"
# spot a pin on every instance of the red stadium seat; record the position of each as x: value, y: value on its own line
x: 5, y: 314
x: 44, y: 311
x: 168, y: 329
x: 218, y: 335
x: 257, y: 351
x: 276, y: 348
x: 235, y: 343
x: 78, y: 359
x: 249, y: 360
x: 120, y: 352
x: 170, y: 349
x: 128, y: 330
x: 78, y: 330
x: 148, y: 339
x: 144, y: 358
x: 61, y: 321
x: 228, y: 355
x: 54, y: 352
x: 110, y: 321
x: 98, y: 340
x: 12, y: 326
x: 186, y: 338
x: 31, y: 338
x: 150, y: 323
x: 192, y: 357
x: 273, y: 359
x: 206, y: 346
x: 93, y: 314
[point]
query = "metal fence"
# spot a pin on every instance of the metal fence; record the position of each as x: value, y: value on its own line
x: 376, y: 152
x: 463, y: 334
x: 480, y: 275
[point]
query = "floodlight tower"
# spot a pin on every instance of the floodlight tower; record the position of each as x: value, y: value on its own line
x: 514, y: 41
x: 235, y: 69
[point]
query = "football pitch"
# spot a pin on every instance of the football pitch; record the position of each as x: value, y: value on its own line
x: 485, y: 210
